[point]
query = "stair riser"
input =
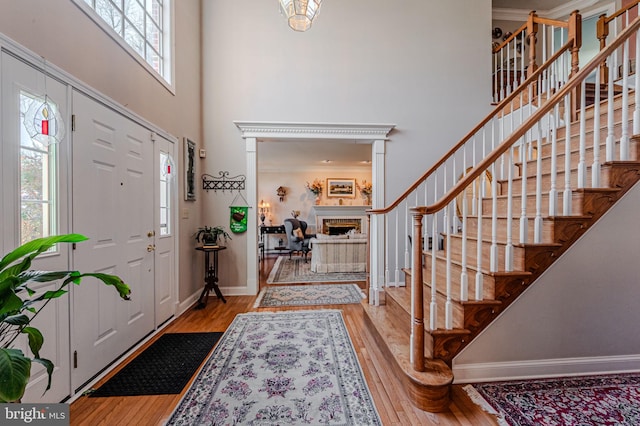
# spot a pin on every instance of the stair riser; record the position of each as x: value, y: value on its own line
x: 456, y: 253
x: 488, y: 282
x: 501, y: 204
x: 575, y: 157
x: 501, y: 228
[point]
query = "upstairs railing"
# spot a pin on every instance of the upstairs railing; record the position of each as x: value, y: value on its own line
x: 463, y: 185
x: 516, y: 57
x: 610, y: 26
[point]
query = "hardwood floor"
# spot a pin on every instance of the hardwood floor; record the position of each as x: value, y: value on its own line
x: 393, y: 406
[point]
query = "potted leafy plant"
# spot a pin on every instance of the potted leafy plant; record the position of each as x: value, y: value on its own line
x: 209, y: 234
x: 19, y: 305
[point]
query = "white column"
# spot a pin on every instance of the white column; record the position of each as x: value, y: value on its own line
x: 253, y: 281
x: 377, y: 251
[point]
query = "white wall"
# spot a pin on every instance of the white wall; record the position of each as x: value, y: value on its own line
x: 423, y: 65
x: 581, y: 316
x: 60, y: 32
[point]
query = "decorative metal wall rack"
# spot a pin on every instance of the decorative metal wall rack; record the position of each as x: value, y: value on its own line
x: 223, y: 182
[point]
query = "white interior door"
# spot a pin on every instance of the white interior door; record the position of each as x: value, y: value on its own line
x: 21, y: 85
x: 112, y: 205
x: 165, y: 229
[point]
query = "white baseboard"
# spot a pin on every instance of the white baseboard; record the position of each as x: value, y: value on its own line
x: 516, y: 370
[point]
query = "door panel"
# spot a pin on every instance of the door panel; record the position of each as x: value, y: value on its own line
x: 113, y: 206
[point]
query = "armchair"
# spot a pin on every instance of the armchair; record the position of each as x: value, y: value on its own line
x: 297, y: 239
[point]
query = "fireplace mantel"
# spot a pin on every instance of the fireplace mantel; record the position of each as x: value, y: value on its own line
x: 341, y: 210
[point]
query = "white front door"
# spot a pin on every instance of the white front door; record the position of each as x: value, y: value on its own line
x: 113, y: 183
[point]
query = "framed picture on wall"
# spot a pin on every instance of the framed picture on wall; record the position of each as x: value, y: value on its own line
x: 189, y: 170
x: 341, y: 188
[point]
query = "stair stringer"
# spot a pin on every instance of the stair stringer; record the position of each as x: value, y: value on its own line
x: 578, y: 317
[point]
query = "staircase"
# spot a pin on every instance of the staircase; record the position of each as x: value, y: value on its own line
x: 501, y: 207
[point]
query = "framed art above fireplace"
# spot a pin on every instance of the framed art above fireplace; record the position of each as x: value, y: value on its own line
x: 341, y: 188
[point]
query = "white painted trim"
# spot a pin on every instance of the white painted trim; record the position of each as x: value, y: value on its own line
x: 509, y: 14
x: 254, y: 131
x: 53, y: 71
x: 518, y: 370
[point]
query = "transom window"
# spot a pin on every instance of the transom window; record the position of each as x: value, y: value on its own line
x: 143, y: 25
x: 38, y: 195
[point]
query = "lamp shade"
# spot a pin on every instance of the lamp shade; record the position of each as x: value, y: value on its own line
x: 300, y: 13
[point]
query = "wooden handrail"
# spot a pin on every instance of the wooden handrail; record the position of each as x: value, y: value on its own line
x: 510, y: 38
x: 571, y: 85
x: 619, y: 12
x: 536, y: 19
x: 501, y: 106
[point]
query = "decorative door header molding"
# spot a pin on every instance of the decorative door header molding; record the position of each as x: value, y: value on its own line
x: 282, y: 130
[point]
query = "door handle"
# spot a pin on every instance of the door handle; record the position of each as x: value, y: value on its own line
x: 151, y: 247
x: 151, y: 234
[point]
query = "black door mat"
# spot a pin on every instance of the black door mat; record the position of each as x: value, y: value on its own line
x: 165, y: 367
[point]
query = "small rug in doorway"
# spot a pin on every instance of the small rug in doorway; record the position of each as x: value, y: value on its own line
x: 594, y: 400
x: 296, y: 270
x: 165, y: 367
x: 308, y: 295
x: 277, y: 368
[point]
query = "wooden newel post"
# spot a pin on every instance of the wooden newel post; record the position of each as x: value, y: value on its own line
x: 602, y: 32
x: 532, y: 33
x: 575, y: 34
x: 417, y: 298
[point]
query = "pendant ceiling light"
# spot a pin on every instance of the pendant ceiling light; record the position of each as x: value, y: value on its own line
x: 300, y: 13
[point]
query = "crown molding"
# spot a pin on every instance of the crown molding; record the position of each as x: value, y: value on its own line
x: 336, y: 131
x: 509, y: 14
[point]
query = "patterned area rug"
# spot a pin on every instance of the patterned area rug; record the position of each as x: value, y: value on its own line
x: 285, y: 368
x: 296, y: 270
x: 595, y: 400
x: 308, y: 295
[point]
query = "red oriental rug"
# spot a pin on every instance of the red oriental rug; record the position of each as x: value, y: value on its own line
x: 595, y: 400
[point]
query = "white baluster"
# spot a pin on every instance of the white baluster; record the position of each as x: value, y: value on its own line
x: 464, y: 279
x: 537, y: 222
x: 610, y: 142
x: 636, y: 86
x: 448, y: 310
x: 595, y: 167
x: 454, y: 218
x: 553, y: 193
x: 582, y: 162
x: 474, y: 206
x: 479, y: 276
x: 433, y: 306
x: 407, y: 255
x: 386, y: 249
x: 624, y: 139
x: 524, y: 224
x: 493, y: 264
x: 567, y: 193
x: 508, y: 250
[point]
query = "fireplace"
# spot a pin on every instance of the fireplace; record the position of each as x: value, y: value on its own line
x: 337, y: 220
x: 340, y: 226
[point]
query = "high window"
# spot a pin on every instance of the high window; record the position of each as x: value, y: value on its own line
x: 143, y: 25
x: 38, y: 195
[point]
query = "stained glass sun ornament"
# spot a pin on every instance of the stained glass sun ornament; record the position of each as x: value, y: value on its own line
x: 168, y: 167
x: 43, y: 122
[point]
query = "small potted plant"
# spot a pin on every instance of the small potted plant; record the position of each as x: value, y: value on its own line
x: 208, y: 235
